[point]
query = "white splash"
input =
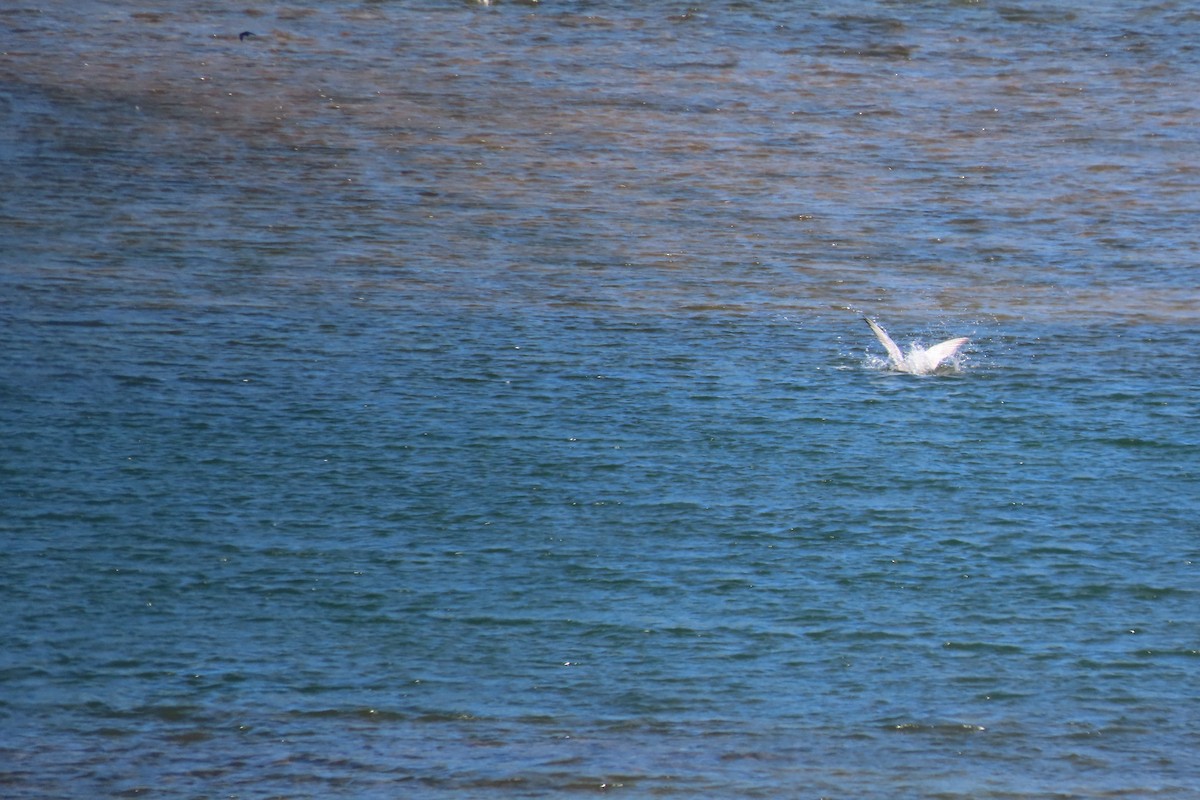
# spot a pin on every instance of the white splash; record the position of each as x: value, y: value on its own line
x: 918, y: 360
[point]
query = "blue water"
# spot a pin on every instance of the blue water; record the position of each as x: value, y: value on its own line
x: 422, y: 400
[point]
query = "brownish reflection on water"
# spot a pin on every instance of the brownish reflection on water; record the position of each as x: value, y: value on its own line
x: 961, y: 161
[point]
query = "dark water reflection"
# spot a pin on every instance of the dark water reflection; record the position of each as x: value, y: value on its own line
x: 962, y: 158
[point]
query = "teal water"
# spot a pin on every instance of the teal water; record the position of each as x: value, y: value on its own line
x: 423, y: 400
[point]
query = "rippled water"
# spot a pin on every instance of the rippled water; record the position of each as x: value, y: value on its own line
x: 424, y: 399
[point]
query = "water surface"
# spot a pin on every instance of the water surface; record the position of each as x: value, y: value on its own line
x: 426, y: 399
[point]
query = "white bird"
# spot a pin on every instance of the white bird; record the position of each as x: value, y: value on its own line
x: 917, y: 361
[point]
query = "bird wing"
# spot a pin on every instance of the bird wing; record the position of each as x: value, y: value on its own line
x: 892, y: 350
x: 941, y: 351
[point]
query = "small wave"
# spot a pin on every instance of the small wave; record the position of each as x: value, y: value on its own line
x: 941, y: 728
